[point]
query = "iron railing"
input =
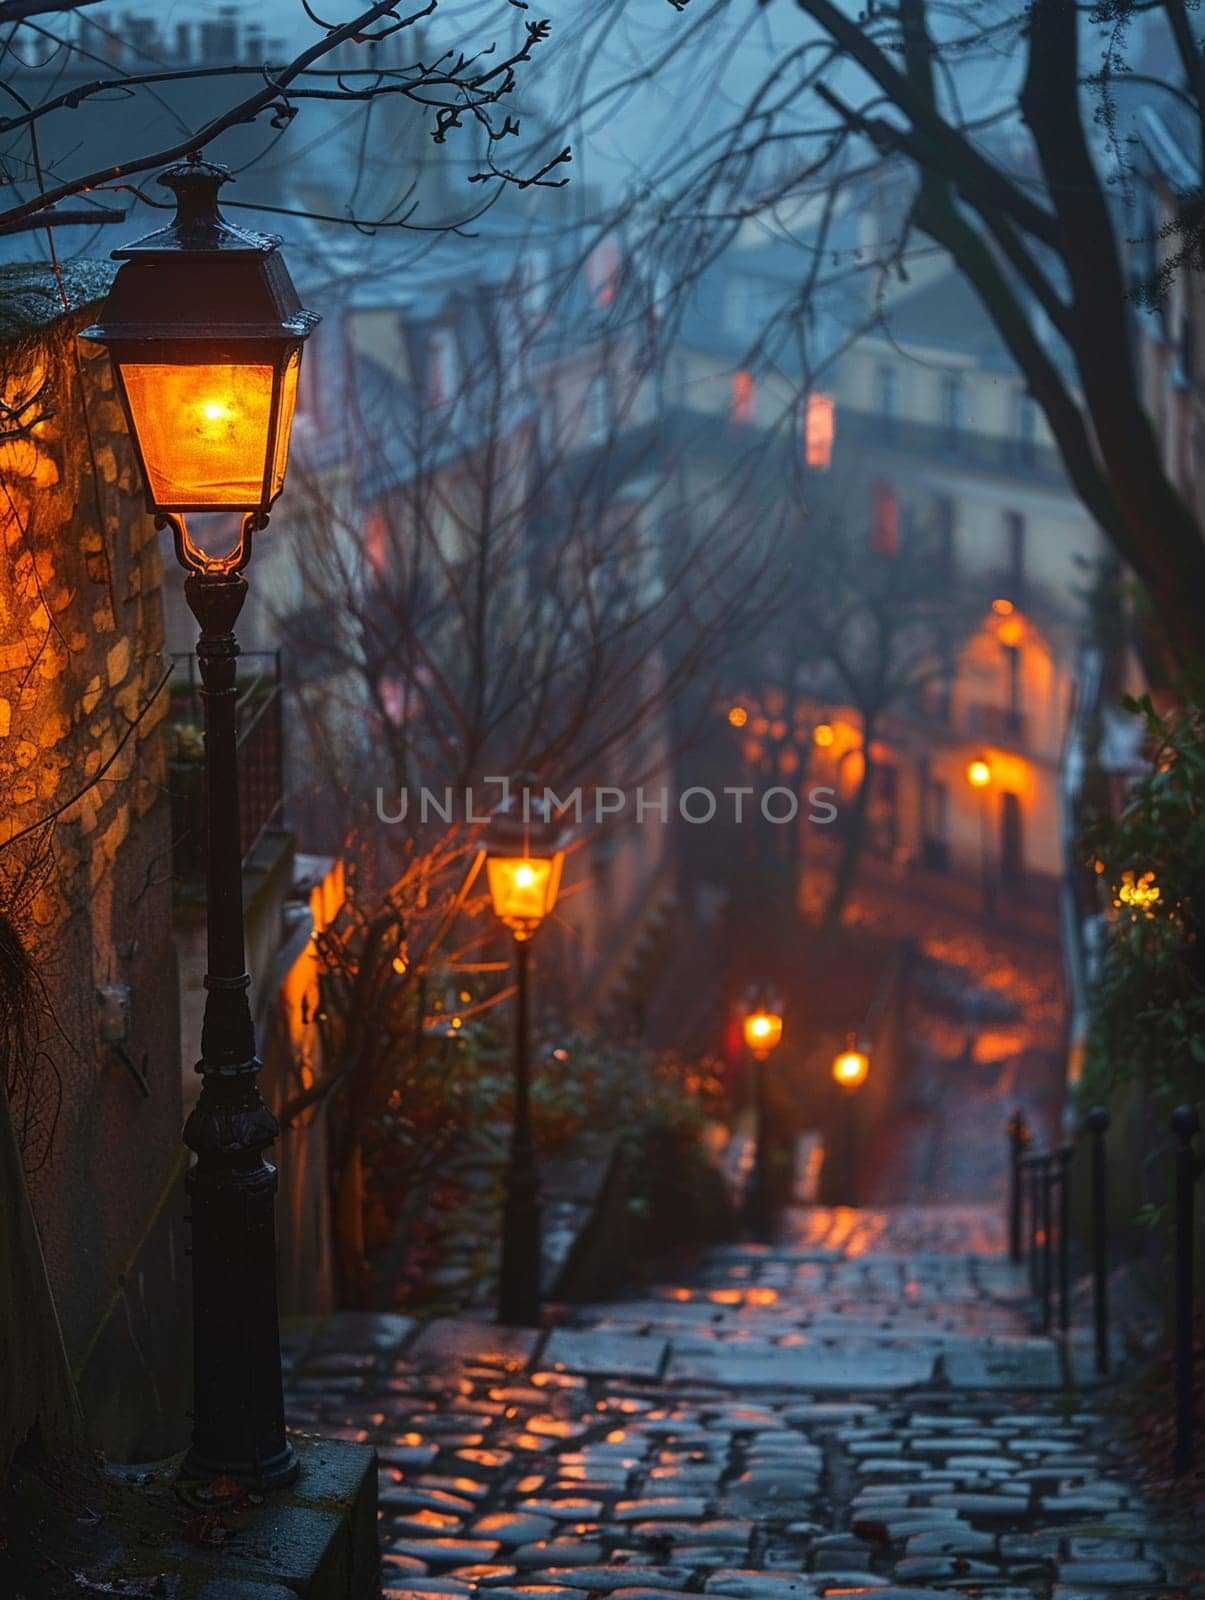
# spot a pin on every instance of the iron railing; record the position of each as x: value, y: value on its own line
x: 1039, y: 1232
x: 261, y: 757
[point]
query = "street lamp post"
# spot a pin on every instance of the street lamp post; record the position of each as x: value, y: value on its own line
x: 850, y: 1068
x: 524, y: 857
x: 979, y: 776
x: 763, y: 1032
x: 204, y: 332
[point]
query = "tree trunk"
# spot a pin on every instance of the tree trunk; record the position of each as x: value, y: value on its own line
x: 349, y: 1228
x: 855, y: 836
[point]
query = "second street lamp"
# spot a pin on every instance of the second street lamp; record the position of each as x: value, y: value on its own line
x: 524, y: 856
x: 204, y: 332
x: 762, y: 1029
x: 979, y: 776
x: 851, y: 1067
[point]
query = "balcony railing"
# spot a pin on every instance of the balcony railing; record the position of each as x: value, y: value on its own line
x: 997, y: 723
x: 260, y: 749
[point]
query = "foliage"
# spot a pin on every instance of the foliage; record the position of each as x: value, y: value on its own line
x: 1148, y: 1021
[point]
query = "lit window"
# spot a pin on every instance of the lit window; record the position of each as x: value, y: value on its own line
x: 819, y: 430
x: 885, y: 521
x: 376, y: 541
x: 744, y: 397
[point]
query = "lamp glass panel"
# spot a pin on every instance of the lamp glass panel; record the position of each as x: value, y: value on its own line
x: 284, y: 422
x: 522, y: 888
x: 203, y: 430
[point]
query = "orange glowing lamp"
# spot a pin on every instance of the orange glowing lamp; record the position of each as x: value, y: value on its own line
x: 979, y: 772
x: 823, y: 735
x: 524, y: 858
x: 851, y: 1065
x: 204, y: 331
x: 763, y: 1030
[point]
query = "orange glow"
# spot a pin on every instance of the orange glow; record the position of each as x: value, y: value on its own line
x: 823, y: 735
x: 523, y: 889
x: 851, y: 1066
x: 763, y: 1030
x: 1003, y: 608
x: 1011, y: 630
x: 979, y: 772
x: 205, y: 431
x: 738, y: 716
x: 819, y: 431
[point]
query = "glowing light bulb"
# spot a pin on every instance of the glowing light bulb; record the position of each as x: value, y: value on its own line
x: 524, y: 875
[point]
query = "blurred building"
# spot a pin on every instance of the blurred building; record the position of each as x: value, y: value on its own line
x: 911, y: 437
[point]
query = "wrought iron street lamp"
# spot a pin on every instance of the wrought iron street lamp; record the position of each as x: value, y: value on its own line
x: 979, y: 776
x: 204, y: 331
x: 524, y: 855
x: 851, y: 1067
x: 762, y: 1029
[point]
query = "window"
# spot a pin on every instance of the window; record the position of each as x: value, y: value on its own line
x: 602, y: 273
x: 1014, y: 549
x: 443, y: 368
x: 953, y: 407
x: 376, y: 541
x: 533, y: 285
x: 1027, y: 427
x: 1012, y: 672
x: 887, y: 391
x: 937, y: 809
x: 943, y: 535
x: 598, y: 408
x: 819, y: 431
x: 885, y: 521
x: 744, y: 397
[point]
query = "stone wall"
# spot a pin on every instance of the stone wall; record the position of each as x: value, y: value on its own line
x: 85, y: 865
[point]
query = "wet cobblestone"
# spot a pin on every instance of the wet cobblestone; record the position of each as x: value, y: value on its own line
x: 854, y: 1410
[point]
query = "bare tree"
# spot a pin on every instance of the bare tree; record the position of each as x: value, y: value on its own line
x: 1010, y: 172
x: 499, y: 571
x: 357, y: 62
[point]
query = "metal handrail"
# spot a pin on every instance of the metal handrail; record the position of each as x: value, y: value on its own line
x: 1039, y: 1224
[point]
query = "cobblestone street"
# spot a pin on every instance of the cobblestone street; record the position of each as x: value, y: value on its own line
x: 859, y: 1407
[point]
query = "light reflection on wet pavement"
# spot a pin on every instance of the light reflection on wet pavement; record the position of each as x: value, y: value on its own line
x: 861, y: 1407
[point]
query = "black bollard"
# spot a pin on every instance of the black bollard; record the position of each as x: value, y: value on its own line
x: 1018, y: 1139
x: 1047, y: 1180
x: 1063, y: 1170
x: 1185, y: 1125
x: 1097, y: 1124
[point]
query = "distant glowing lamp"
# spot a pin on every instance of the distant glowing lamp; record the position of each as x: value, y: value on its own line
x: 763, y: 1029
x: 852, y: 1065
x: 1003, y: 608
x: 738, y: 716
x: 823, y: 735
x: 204, y: 330
x: 979, y: 772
